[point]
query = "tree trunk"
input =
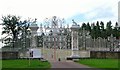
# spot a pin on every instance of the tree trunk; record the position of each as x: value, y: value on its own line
x: 14, y: 41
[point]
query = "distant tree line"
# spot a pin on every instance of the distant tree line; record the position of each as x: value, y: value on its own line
x: 99, y: 29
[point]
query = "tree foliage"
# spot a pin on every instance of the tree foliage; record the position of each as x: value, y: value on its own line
x: 98, y: 29
x: 12, y: 26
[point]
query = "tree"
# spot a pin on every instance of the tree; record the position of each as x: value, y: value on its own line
x: 12, y: 26
x: 103, y: 30
x: 109, y: 30
x: 94, y: 32
x: 98, y: 33
x: 7, y: 42
x: 88, y: 28
x: 83, y: 26
x: 102, y: 25
x: 116, y: 32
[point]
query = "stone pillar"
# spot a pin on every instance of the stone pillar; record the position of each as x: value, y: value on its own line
x: 75, y: 43
x: 34, y: 41
x: 74, y: 35
x: 72, y: 40
x: 34, y: 29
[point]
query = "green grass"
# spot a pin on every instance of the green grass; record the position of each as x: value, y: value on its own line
x: 0, y: 64
x: 24, y: 64
x: 100, y: 63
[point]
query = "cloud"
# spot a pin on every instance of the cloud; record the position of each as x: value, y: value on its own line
x: 45, y: 8
x: 100, y: 12
x: 104, y: 11
x: 97, y: 14
x: 39, y: 8
x: 80, y: 10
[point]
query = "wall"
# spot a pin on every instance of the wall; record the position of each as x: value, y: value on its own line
x: 62, y: 53
x: 104, y: 54
x: 9, y: 55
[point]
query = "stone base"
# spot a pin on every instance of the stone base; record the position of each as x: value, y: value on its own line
x: 73, y: 57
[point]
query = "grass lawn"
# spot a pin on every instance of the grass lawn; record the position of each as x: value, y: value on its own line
x: 23, y: 64
x: 100, y: 63
x: 0, y: 64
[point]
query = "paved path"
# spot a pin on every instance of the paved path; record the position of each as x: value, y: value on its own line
x: 69, y: 65
x: 66, y: 64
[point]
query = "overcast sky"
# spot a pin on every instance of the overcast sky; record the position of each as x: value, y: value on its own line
x: 79, y: 10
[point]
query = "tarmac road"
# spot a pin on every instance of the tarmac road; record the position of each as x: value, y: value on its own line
x: 69, y: 65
